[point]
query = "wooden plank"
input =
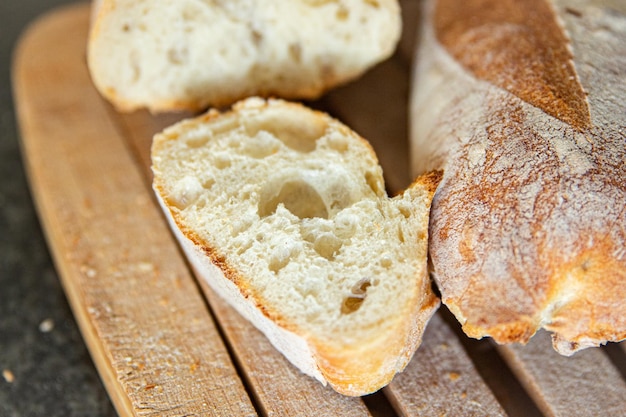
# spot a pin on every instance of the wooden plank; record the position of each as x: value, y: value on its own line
x: 585, y: 384
x: 445, y: 378
x: 138, y: 128
x: 140, y: 312
x: 279, y: 388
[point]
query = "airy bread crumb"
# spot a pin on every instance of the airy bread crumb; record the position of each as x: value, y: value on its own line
x: 283, y: 211
x: 187, y: 55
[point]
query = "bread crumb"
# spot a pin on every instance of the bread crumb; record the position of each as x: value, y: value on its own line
x: 46, y: 326
x: 454, y: 376
x: 8, y: 376
x: 145, y: 267
x: 89, y: 272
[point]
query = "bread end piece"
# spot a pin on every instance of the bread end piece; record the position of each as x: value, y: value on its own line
x: 283, y: 211
x: 172, y: 55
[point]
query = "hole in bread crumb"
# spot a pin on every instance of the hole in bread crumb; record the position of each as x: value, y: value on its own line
x: 223, y: 125
x: 404, y: 210
x: 342, y: 13
x: 222, y: 161
x: 208, y: 183
x: 351, y: 304
x: 256, y: 36
x: 373, y: 3
x: 401, y: 234
x: 276, y: 264
x: 262, y: 146
x: 197, y: 142
x: 200, y: 203
x: 297, y: 196
x: 295, y: 52
x: 135, y: 66
x: 338, y: 143
x: 296, y: 130
x: 178, y: 54
x: 373, y: 182
x: 359, y: 291
x: 327, y: 246
x: 360, y: 288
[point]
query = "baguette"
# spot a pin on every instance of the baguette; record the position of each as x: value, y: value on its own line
x: 521, y: 103
x: 283, y: 211
x: 190, y: 54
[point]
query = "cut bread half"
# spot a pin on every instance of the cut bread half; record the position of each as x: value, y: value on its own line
x: 190, y: 54
x: 283, y: 211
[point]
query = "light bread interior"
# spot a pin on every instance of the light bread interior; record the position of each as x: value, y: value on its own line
x: 189, y: 54
x: 291, y: 205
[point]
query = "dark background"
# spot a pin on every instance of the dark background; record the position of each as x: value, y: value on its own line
x: 53, y: 374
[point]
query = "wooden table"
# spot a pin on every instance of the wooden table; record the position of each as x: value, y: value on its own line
x: 163, y: 343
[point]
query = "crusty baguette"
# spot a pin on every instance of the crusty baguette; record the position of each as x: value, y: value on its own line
x: 188, y: 54
x: 521, y: 103
x: 283, y: 211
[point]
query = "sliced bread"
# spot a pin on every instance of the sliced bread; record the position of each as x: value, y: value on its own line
x: 189, y: 54
x: 283, y: 211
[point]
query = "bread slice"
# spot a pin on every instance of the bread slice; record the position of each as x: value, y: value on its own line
x: 522, y: 105
x: 283, y: 211
x: 188, y: 54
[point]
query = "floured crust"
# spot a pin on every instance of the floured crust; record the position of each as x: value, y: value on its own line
x: 528, y: 227
x: 354, y: 362
x: 189, y: 55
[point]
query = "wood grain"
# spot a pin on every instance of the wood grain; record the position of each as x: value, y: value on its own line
x: 137, y: 305
x: 585, y: 384
x: 144, y: 317
x: 280, y: 388
x: 447, y: 381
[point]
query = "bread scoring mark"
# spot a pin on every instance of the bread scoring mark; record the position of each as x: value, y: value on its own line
x: 517, y: 46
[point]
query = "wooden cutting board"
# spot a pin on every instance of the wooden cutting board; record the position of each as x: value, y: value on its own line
x: 163, y: 343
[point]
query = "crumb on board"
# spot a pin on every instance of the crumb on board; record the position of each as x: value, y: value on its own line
x: 454, y: 376
x: 46, y: 325
x: 8, y: 376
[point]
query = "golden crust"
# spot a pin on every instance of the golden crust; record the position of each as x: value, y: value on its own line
x: 528, y: 227
x: 533, y: 60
